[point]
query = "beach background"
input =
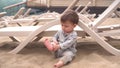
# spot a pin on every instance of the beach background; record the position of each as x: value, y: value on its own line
x: 35, y: 55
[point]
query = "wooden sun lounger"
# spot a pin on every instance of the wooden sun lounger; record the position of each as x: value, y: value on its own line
x: 97, y: 22
x: 19, y: 13
x: 106, y: 13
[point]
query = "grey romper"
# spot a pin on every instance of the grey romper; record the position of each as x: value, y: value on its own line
x: 67, y: 44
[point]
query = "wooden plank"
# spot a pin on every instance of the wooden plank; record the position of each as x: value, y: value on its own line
x: 2, y: 14
x: 85, y: 8
x: 48, y: 3
x: 99, y: 40
x: 25, y: 30
x: 108, y: 28
x: 17, y: 31
x: 94, y: 2
x: 14, y: 5
x: 20, y: 12
x: 65, y: 3
x: 27, y: 12
x: 104, y: 3
x: 72, y: 5
x: 76, y: 10
x: 25, y: 20
x: 110, y: 33
x: 106, y: 13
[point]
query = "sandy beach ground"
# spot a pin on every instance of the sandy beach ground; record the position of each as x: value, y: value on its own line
x: 35, y: 55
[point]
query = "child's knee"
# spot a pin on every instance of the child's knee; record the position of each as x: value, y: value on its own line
x: 66, y: 59
x: 68, y: 53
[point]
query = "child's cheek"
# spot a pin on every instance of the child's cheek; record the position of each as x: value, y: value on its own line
x: 67, y: 29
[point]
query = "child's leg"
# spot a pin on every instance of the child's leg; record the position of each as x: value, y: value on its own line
x: 48, y: 44
x: 59, y: 64
x: 67, y: 57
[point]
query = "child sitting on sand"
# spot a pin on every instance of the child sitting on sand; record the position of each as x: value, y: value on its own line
x: 64, y: 42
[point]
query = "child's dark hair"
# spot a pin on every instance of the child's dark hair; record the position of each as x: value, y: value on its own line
x: 71, y: 16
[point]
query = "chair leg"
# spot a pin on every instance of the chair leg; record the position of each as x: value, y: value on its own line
x: 37, y: 39
x: 99, y: 40
x: 14, y: 39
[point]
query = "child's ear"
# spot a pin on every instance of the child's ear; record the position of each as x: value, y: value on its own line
x: 75, y: 25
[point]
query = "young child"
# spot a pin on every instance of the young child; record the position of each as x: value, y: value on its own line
x: 64, y: 42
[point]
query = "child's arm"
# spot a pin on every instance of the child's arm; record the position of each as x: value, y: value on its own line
x: 55, y: 38
x: 68, y: 43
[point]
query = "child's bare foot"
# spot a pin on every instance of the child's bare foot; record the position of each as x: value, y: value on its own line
x: 59, y: 64
x: 48, y: 45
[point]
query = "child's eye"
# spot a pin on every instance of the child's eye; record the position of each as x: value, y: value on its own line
x: 66, y: 26
x: 62, y: 25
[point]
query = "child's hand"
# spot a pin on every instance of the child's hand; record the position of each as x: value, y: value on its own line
x: 55, y: 41
x: 56, y: 47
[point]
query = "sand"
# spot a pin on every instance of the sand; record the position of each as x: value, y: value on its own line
x: 35, y: 55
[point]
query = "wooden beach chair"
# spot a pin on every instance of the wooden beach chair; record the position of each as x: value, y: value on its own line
x: 5, y: 23
x: 97, y: 35
x: 19, y: 14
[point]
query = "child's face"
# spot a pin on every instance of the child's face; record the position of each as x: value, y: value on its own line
x: 68, y: 26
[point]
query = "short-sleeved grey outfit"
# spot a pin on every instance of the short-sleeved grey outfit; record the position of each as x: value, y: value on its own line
x: 67, y: 44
